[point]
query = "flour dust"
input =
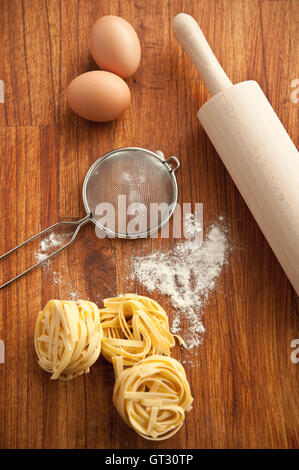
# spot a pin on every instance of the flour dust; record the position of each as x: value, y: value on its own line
x: 187, y: 274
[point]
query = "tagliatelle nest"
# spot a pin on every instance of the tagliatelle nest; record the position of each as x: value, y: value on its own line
x: 134, y: 327
x: 152, y: 396
x: 68, y: 337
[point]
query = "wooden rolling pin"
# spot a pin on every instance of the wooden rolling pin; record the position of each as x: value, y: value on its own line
x: 253, y: 145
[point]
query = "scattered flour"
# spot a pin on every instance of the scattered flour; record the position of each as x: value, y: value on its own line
x: 51, y: 241
x: 42, y: 256
x: 176, y: 328
x: 74, y: 295
x: 46, y: 247
x: 186, y: 274
x: 57, y: 277
x: 191, y: 226
x: 128, y: 178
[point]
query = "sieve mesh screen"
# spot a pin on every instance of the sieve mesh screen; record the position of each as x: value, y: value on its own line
x: 133, y: 182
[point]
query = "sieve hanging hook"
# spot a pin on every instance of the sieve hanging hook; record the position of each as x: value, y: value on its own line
x: 142, y: 170
x: 176, y: 160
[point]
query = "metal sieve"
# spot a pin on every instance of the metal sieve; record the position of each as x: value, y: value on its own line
x: 130, y: 192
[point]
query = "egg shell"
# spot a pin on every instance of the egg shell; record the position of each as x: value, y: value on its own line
x: 115, y: 45
x: 98, y: 96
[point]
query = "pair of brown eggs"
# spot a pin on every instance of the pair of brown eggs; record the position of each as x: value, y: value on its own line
x: 103, y: 95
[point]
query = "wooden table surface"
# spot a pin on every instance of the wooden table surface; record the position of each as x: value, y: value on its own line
x: 244, y: 383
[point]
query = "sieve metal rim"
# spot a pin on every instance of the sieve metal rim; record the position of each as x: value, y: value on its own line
x: 121, y: 234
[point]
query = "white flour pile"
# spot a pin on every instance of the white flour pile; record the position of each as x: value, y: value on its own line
x: 186, y: 274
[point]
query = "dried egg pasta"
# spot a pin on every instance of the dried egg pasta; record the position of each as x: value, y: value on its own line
x: 68, y: 337
x: 134, y: 327
x: 152, y: 396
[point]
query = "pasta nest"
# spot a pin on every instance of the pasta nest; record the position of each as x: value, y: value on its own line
x: 134, y: 327
x: 152, y: 396
x: 68, y: 337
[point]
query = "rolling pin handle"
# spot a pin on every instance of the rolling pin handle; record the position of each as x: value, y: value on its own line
x: 193, y: 41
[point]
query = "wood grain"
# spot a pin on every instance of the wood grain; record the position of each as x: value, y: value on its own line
x: 243, y: 381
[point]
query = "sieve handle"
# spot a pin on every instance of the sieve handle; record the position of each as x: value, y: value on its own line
x: 78, y: 223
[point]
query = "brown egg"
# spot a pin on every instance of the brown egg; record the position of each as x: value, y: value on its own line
x: 98, y: 96
x: 115, y: 45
